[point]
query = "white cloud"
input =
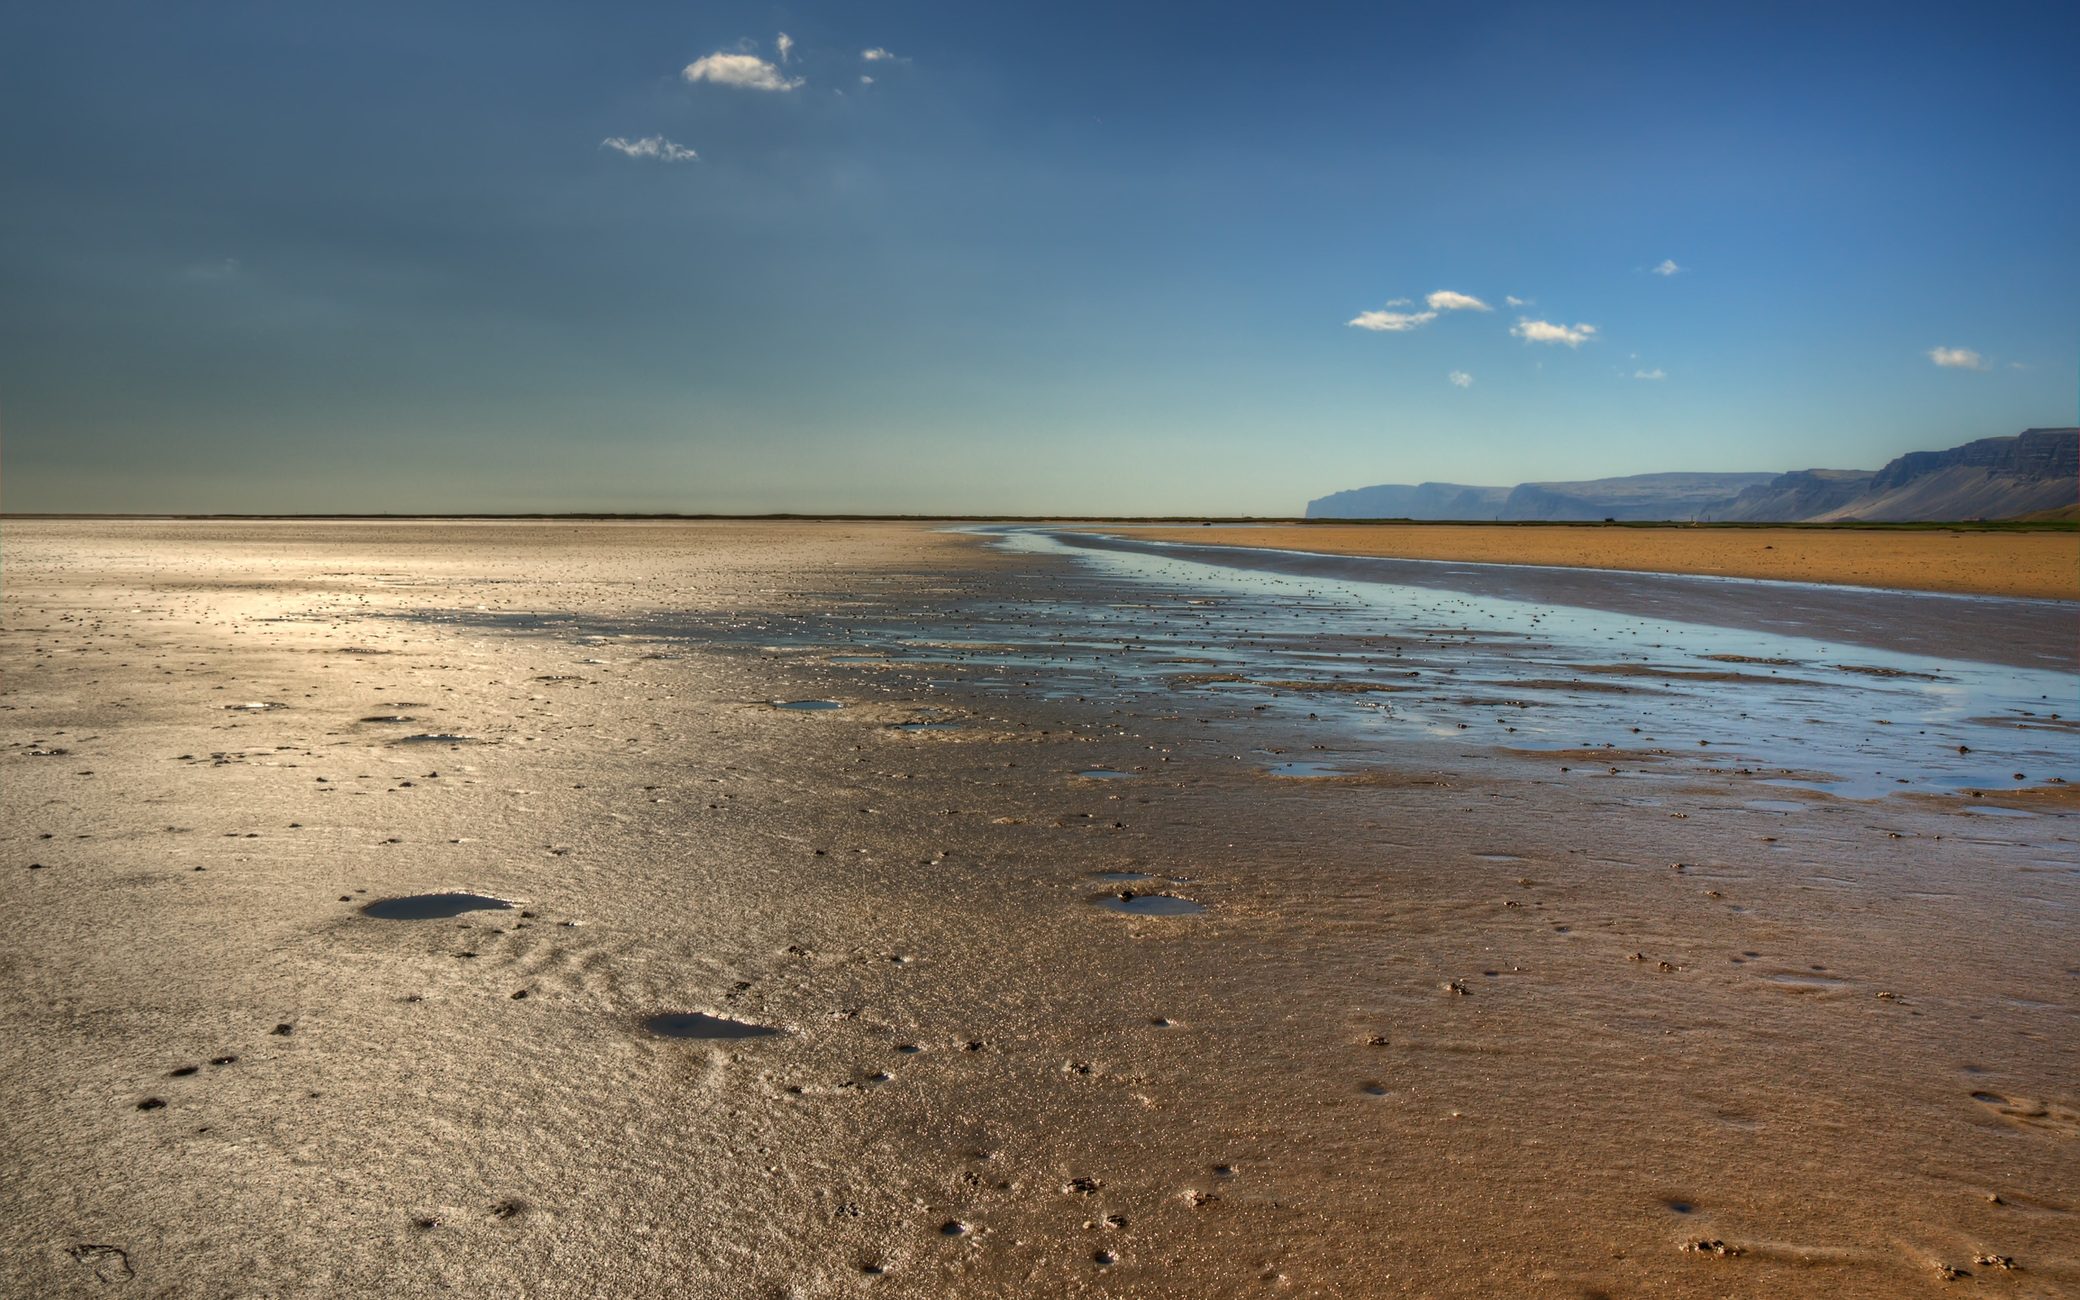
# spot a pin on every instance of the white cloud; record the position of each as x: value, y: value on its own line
x: 1649, y: 374
x: 1669, y: 267
x: 1516, y: 302
x: 744, y: 71
x: 875, y: 55
x: 1541, y: 331
x: 785, y: 44
x: 1392, y: 321
x: 650, y: 146
x: 866, y: 81
x: 1957, y: 358
x: 1460, y: 379
x: 1446, y: 300
x: 1400, y: 302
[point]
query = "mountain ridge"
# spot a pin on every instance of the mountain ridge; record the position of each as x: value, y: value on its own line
x: 1989, y: 478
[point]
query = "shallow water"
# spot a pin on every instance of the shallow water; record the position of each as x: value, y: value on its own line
x: 433, y: 907
x: 696, y: 1025
x: 1430, y: 674
x: 1149, y: 904
x: 1392, y: 663
x: 1303, y: 768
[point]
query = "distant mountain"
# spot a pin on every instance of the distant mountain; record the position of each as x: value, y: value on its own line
x: 1993, y: 478
x: 1641, y: 496
x: 1637, y: 496
x: 1423, y: 501
x: 1801, y: 494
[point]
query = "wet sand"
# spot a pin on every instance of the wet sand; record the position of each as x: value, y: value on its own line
x: 1991, y: 629
x: 1461, y: 1023
x: 2032, y: 565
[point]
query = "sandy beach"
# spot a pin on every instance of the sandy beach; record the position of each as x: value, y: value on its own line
x: 1509, y: 985
x: 2035, y: 565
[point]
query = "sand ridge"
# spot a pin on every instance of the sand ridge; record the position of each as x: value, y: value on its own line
x: 2036, y: 565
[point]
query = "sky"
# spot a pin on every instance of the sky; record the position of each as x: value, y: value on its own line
x: 288, y: 257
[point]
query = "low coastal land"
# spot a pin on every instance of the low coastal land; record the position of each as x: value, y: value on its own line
x: 1462, y: 1018
x: 2039, y: 564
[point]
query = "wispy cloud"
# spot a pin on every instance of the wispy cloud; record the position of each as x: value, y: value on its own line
x: 744, y: 71
x: 1400, y: 302
x: 1543, y: 331
x: 650, y: 146
x: 1460, y: 379
x: 220, y: 270
x: 1957, y: 358
x: 1446, y: 300
x: 865, y: 80
x: 875, y: 55
x: 1649, y: 374
x: 1516, y: 302
x: 1392, y: 321
x: 1668, y: 267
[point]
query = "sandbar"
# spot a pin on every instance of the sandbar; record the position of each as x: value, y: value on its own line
x: 2042, y: 565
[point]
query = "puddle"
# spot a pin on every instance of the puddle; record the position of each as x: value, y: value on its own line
x: 1778, y: 805
x: 1499, y: 857
x: 255, y: 706
x: 432, y: 907
x: 695, y: 1025
x: 926, y: 726
x: 389, y: 717
x: 1104, y: 774
x: 1148, y: 904
x: 1306, y: 769
x: 1801, y: 983
x: 435, y: 738
x: 807, y: 705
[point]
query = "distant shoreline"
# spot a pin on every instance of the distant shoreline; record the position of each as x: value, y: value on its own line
x: 1254, y: 521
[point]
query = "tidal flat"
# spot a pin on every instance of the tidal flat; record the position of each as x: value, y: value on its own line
x: 825, y: 909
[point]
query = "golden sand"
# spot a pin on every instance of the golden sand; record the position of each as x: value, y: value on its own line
x: 2037, y: 565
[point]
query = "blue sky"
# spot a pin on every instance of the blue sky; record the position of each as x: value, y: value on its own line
x: 300, y: 257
